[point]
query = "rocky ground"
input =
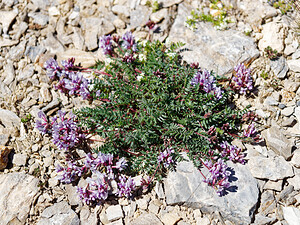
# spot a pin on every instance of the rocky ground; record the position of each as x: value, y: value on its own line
x: 266, y: 188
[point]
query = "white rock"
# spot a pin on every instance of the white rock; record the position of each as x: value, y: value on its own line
x: 53, y: 11
x: 288, y: 111
x: 291, y: 215
x: 294, y: 65
x: 20, y: 159
x: 202, y: 221
x: 6, y: 18
x: 114, y: 212
x: 17, y: 193
x: 170, y: 218
x: 296, y: 158
x: 273, y: 34
x: 159, y: 15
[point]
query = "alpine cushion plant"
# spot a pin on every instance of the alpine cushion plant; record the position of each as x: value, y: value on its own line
x: 149, y: 106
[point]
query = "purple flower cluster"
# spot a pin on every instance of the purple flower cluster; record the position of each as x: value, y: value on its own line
x: 219, y: 176
x: 232, y: 152
x: 70, y: 81
x: 250, y: 131
x: 166, y: 157
x: 99, y: 184
x: 44, y: 126
x: 207, y: 83
x: 125, y: 186
x: 242, y: 80
x: 129, y: 42
x: 106, y: 45
x: 66, y: 133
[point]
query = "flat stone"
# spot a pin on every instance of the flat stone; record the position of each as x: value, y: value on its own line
x: 114, y: 212
x: 288, y: 111
x: 291, y: 215
x: 277, y: 141
x: 52, y: 44
x: 296, y: 158
x: 279, y: 67
x: 153, y: 208
x: 42, y: 4
x: 295, y: 181
x: 7, y: 42
x: 72, y: 194
x: 139, y: 16
x: 77, y: 38
x: 168, y: 3
x: 170, y: 218
x: 270, y: 168
x: 34, y: 52
x: 270, y: 101
x: 9, y: 73
x: 294, y: 65
x: 18, y: 191
x: 273, y: 35
x: 39, y: 18
x: 20, y: 159
x: 86, y: 59
x: 9, y: 119
x: 143, y: 203
x: 273, y: 185
x: 289, y: 122
x: 4, y: 152
x: 215, y: 50
x: 6, y: 18
x: 17, y: 52
x: 4, y: 138
x: 91, y: 39
x: 262, y: 220
x: 185, y: 186
x: 159, y: 15
x: 203, y: 221
x: 146, y: 219
x: 121, y: 10
x: 59, y: 213
x: 296, y: 55
x: 21, y: 30
x: 86, y: 217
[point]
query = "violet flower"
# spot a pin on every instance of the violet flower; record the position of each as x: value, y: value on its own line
x: 232, y: 152
x: 242, y: 79
x: 53, y: 70
x: 207, y: 83
x: 68, y: 64
x: 126, y: 187
x: 219, y: 176
x: 106, y: 45
x: 69, y: 174
x: 250, y: 131
x: 43, y: 125
x: 166, y: 157
x: 129, y: 42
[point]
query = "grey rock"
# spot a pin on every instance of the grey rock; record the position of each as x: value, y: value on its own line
x: 291, y: 215
x: 86, y: 217
x: 143, y: 203
x: 295, y: 181
x: 294, y: 65
x: 168, y: 3
x: 273, y: 34
x: 159, y: 190
x: 121, y: 10
x: 153, y: 208
x: 18, y: 191
x: 289, y: 122
x: 72, y: 194
x: 270, y: 101
x: 6, y: 18
x: 170, y: 218
x: 4, y: 138
x: 16, y: 52
x: 59, y: 213
x: 39, y: 18
x: 270, y: 168
x: 91, y: 39
x: 146, y: 219
x: 19, y: 159
x: 262, y: 220
x: 21, y: 30
x: 139, y: 16
x: 77, y: 38
x: 285, y: 193
x: 186, y: 186
x: 288, y: 111
x: 273, y: 185
x: 215, y: 50
x: 42, y: 4
x: 9, y: 119
x: 7, y: 42
x: 52, y: 44
x: 279, y: 67
x: 114, y: 212
x: 33, y: 52
x: 281, y: 106
x: 296, y: 55
x: 296, y: 158
x: 159, y: 15
x: 277, y: 141
x: 9, y: 73
x: 297, y: 114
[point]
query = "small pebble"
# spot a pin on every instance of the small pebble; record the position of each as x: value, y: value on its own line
x: 282, y: 106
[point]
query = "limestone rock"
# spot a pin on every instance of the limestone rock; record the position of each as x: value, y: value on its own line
x: 186, y: 186
x: 291, y: 215
x: 6, y: 18
x: 114, y: 212
x: 296, y: 158
x: 9, y: 119
x: 278, y: 142
x: 20, y: 159
x: 9, y: 73
x: 86, y: 217
x: 39, y: 18
x: 279, y: 67
x: 170, y: 218
x: 168, y: 3
x: 18, y: 191
x: 146, y: 219
x: 215, y: 50
x: 294, y: 65
x: 139, y: 16
x: 270, y: 168
x: 59, y: 213
x: 4, y: 152
x: 159, y: 15
x: 273, y: 34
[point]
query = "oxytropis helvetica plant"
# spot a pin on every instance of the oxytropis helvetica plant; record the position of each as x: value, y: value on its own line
x: 148, y: 107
